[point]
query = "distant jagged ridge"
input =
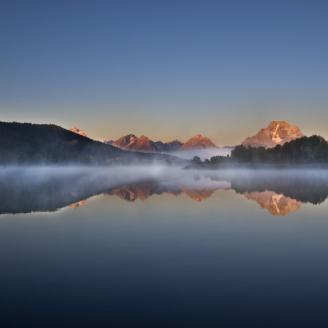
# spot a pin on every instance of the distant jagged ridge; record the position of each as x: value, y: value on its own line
x: 276, y: 133
x: 143, y: 143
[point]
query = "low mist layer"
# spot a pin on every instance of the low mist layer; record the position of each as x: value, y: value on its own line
x: 202, y: 153
x: 49, y: 188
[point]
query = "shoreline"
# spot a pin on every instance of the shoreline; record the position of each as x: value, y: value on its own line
x: 223, y: 167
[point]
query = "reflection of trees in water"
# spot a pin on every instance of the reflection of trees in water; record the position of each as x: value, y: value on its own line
x: 280, y: 195
x: 34, y: 194
x: 305, y: 189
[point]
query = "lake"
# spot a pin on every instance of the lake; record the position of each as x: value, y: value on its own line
x: 163, y: 247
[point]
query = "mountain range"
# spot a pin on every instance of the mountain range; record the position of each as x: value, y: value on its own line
x: 276, y: 133
x: 25, y: 143
x: 143, y: 143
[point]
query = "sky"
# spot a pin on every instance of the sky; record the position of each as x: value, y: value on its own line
x: 166, y: 69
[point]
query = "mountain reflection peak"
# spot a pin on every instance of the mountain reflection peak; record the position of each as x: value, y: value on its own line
x: 275, y: 204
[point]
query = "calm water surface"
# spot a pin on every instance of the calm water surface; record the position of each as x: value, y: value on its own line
x: 156, y: 247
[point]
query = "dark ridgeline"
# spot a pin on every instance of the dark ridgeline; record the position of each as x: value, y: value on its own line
x: 161, y: 146
x: 26, y: 143
x: 143, y: 143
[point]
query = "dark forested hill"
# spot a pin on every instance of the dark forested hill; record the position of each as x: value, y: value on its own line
x: 25, y: 143
x: 305, y: 150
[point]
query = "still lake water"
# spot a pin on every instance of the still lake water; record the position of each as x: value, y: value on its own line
x: 160, y: 247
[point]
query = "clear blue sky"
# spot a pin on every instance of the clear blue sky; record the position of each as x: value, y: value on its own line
x: 165, y: 69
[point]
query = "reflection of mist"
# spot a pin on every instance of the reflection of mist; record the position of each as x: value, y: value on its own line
x: 50, y: 188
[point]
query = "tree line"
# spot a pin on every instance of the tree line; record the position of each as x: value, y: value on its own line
x: 305, y: 150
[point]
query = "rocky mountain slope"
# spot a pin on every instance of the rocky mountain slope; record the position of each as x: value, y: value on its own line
x: 143, y: 143
x: 132, y: 142
x: 198, y: 142
x: 276, y: 133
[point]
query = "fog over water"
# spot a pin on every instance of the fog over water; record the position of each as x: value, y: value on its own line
x: 202, y: 153
x: 49, y: 188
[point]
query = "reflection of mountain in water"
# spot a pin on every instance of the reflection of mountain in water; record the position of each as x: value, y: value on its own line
x: 276, y: 204
x: 41, y: 190
x: 78, y: 204
x: 198, y: 195
x: 145, y: 189
x: 132, y: 192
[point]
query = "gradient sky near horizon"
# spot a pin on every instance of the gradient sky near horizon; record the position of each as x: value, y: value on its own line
x: 166, y: 69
